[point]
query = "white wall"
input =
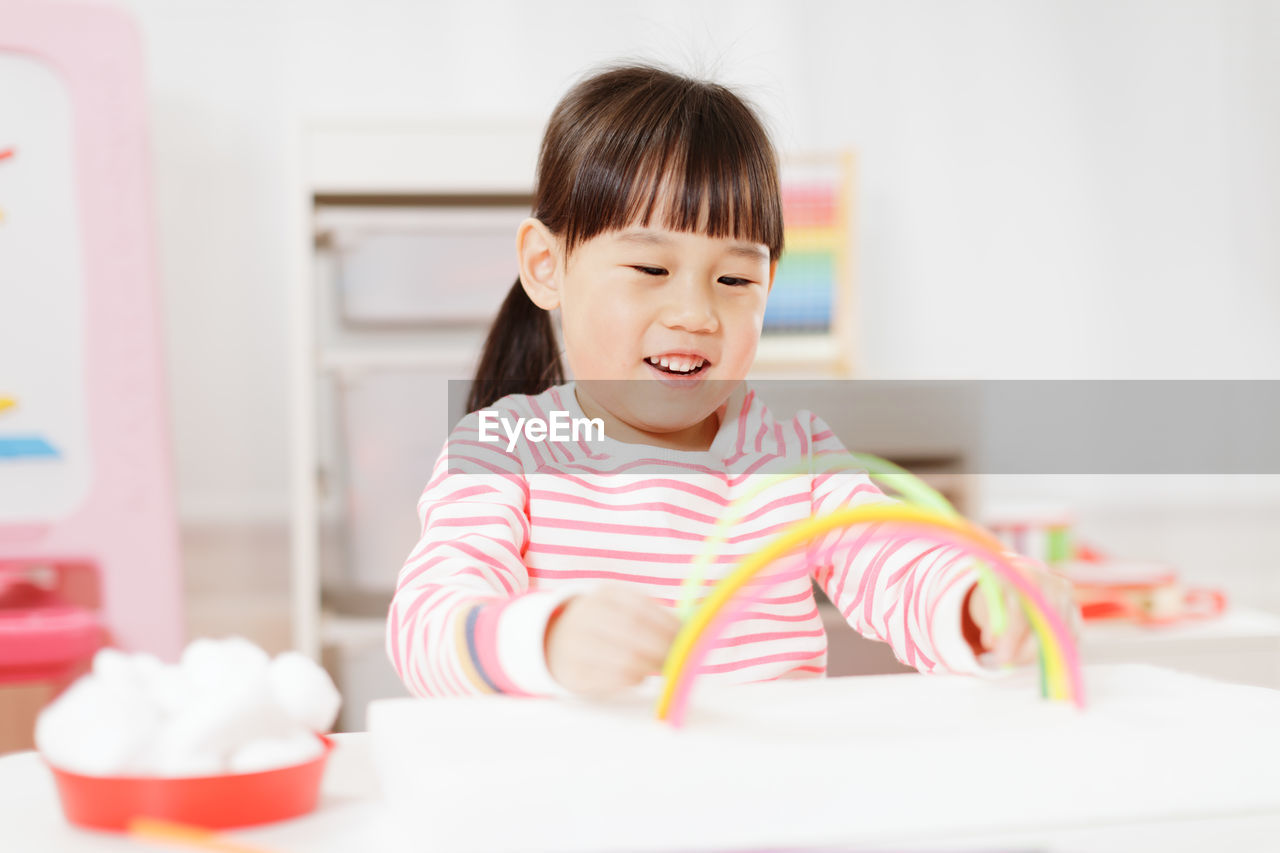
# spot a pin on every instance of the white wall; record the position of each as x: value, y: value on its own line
x: 1049, y: 189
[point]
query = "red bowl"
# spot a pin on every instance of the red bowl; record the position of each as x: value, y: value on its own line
x: 211, y: 802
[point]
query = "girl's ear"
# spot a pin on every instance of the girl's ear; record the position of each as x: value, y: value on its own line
x: 539, y: 253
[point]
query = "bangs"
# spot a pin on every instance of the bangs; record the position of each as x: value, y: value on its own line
x: 694, y: 152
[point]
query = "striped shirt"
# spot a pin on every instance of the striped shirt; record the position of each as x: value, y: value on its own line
x: 509, y: 535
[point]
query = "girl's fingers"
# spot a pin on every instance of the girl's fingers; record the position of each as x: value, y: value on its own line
x: 629, y: 627
x: 599, y: 656
x: 1059, y: 595
x: 623, y: 658
x: 1008, y: 643
x: 1004, y: 645
x: 646, y: 613
x: 617, y: 638
x: 1028, y: 650
x: 658, y: 621
x: 594, y: 678
x: 637, y: 613
x: 1066, y: 601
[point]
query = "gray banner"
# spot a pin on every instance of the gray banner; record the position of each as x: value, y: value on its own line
x: 1012, y: 426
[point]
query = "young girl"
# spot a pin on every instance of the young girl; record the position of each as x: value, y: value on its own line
x: 548, y: 567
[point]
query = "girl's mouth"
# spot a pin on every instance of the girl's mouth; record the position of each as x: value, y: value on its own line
x: 679, y: 366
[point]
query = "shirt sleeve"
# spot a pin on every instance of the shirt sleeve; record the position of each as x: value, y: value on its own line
x: 907, y: 592
x: 463, y: 619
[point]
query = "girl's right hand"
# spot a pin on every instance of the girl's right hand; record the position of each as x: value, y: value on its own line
x: 607, y: 639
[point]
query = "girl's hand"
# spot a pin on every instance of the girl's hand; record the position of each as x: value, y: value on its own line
x: 608, y: 639
x: 1018, y: 644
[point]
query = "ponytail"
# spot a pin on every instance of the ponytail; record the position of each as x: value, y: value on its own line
x: 521, y: 354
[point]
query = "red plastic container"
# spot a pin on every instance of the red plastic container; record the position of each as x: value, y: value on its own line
x: 212, y: 802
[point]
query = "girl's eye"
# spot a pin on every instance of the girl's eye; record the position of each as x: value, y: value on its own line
x: 732, y: 281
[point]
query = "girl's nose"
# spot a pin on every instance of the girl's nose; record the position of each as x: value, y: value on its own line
x: 691, y: 308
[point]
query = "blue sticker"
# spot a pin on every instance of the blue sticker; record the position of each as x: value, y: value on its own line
x: 26, y: 447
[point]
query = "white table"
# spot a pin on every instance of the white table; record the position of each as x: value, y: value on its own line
x: 1240, y: 646
x: 353, y: 816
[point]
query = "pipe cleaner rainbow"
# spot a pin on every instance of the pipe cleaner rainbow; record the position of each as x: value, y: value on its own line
x: 926, y: 515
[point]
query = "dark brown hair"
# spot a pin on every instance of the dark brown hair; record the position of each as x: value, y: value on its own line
x: 609, y: 145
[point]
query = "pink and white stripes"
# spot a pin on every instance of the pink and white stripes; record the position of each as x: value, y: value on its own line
x: 507, y: 537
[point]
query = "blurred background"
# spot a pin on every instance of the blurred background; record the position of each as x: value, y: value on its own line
x: 1017, y: 189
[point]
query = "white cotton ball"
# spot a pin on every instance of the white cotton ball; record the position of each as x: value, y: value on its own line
x: 217, y: 722
x: 270, y: 753
x: 244, y: 655
x: 126, y: 672
x: 201, y: 654
x: 213, y: 667
x: 217, y: 699
x: 96, y: 728
x: 169, y: 691
x: 113, y: 666
x: 213, y: 657
x: 159, y: 758
x: 146, y: 664
x: 136, y: 715
x: 166, y: 686
x: 147, y: 668
x: 305, y: 691
x: 190, y: 764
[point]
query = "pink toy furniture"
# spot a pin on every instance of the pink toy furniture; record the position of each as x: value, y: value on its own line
x: 88, y: 535
x: 50, y: 625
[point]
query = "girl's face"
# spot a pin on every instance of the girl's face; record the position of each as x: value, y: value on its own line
x: 659, y: 326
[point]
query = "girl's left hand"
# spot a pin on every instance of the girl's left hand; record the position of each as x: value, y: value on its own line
x: 1017, y: 644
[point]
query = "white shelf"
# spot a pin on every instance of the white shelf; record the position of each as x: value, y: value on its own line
x: 352, y: 221
x: 397, y: 157
x: 352, y: 631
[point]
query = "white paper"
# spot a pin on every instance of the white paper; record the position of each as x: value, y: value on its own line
x: 872, y: 760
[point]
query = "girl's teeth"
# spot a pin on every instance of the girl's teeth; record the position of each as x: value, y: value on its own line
x: 677, y: 364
